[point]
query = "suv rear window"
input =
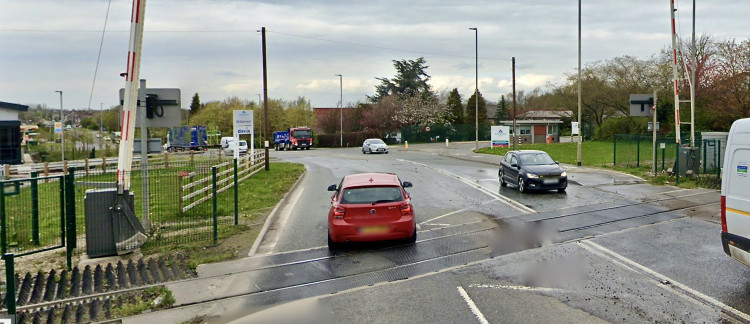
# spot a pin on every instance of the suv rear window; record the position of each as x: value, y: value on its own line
x: 368, y: 195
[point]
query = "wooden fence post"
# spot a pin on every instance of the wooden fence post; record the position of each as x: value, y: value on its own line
x: 191, y: 161
x: 192, y: 189
x: 87, y: 166
x: 104, y: 164
x: 166, y: 160
x: 65, y: 167
x: 46, y: 171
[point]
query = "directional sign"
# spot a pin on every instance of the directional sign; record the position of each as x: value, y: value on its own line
x: 640, y: 104
x: 58, y: 127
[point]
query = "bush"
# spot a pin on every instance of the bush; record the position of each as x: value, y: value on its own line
x: 353, y: 139
x: 621, y: 125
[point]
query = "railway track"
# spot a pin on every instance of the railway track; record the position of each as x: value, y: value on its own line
x: 98, y: 293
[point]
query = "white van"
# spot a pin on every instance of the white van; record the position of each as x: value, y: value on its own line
x: 225, y: 141
x: 231, y: 146
x: 735, y: 193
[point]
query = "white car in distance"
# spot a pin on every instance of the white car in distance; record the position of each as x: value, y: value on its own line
x: 374, y: 145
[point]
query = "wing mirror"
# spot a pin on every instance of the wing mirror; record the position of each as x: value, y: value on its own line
x: 407, y: 184
x: 513, y: 165
x: 332, y: 187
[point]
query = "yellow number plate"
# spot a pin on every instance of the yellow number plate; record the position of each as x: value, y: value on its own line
x: 373, y: 230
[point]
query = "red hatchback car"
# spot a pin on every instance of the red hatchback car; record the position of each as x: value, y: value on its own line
x: 370, y: 207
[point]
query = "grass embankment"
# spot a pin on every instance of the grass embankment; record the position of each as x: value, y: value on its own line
x: 601, y: 155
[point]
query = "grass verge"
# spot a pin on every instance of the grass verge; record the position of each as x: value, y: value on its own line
x: 601, y: 154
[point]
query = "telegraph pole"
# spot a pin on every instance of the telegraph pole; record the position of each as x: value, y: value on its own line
x: 265, y: 93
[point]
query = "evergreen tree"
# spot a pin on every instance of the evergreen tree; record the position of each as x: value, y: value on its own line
x: 410, y: 79
x: 455, y: 107
x: 502, y: 110
x: 470, y: 108
x: 195, y: 105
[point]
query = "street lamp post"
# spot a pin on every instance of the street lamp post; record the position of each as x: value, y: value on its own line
x: 476, y: 87
x: 101, y: 124
x: 62, y: 132
x: 341, y: 109
x: 580, y: 126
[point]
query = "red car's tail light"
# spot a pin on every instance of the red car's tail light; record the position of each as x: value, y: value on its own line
x: 339, y: 212
x: 724, y: 214
x: 406, y: 209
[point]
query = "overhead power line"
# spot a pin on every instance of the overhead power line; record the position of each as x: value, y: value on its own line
x: 255, y: 31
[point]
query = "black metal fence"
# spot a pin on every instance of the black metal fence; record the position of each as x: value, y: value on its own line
x: 187, y: 200
x: 701, y: 162
x: 184, y: 200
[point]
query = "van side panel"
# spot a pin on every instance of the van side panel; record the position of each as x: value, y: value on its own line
x: 738, y: 191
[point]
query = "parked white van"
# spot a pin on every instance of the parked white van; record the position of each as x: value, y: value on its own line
x: 735, y: 193
x: 231, y: 146
x: 225, y: 141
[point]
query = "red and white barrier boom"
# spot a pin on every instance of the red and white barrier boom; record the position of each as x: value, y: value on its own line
x: 129, y: 108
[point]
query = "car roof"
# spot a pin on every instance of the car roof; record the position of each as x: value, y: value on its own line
x: 371, y: 179
x: 528, y: 151
x: 370, y: 139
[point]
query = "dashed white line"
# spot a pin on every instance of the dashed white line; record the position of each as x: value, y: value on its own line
x: 472, y: 306
x: 542, y: 289
x: 452, y: 213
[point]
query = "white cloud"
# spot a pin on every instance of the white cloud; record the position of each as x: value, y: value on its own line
x: 211, y: 47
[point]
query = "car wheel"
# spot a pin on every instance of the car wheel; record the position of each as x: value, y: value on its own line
x: 363, y: 151
x: 331, y: 244
x: 521, y: 185
x: 501, y: 174
x: 561, y: 190
x: 413, y: 237
x: 386, y: 152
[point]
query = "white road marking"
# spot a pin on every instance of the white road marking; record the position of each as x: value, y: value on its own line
x: 542, y: 289
x: 473, y: 183
x: 284, y: 215
x: 472, y: 306
x: 451, y: 213
x: 686, y: 291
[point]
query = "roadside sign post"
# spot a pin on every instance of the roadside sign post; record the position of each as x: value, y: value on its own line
x: 243, y: 124
x: 653, y: 132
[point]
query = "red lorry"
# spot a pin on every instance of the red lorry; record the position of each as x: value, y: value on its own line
x: 293, y: 138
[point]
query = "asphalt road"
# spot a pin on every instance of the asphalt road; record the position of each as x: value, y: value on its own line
x: 610, y: 249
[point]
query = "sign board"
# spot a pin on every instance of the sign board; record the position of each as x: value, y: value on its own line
x: 58, y: 127
x: 574, y: 128
x: 500, y: 136
x: 165, y: 104
x: 662, y: 145
x: 243, y: 122
x: 651, y: 126
x: 640, y: 104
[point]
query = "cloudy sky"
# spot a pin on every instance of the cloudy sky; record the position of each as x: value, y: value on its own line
x: 211, y: 46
